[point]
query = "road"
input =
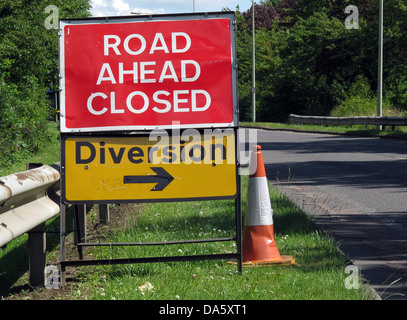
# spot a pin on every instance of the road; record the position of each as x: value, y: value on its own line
x: 355, y: 188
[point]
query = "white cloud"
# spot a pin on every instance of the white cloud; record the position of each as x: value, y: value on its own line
x: 121, y: 7
x: 110, y: 8
x: 149, y: 11
x: 99, y: 3
x: 99, y: 7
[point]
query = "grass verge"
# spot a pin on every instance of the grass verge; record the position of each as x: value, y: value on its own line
x: 400, y: 132
x: 319, y: 273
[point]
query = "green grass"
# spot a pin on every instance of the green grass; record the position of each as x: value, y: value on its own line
x: 318, y: 273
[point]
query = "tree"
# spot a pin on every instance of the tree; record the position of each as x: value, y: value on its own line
x: 307, y: 60
x: 395, y: 52
x: 25, y: 42
x: 28, y: 68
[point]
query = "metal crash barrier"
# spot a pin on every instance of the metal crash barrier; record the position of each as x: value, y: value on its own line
x: 26, y: 203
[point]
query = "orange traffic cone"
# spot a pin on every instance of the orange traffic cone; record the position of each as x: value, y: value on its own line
x: 259, y: 244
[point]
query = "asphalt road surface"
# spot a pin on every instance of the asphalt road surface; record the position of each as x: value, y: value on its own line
x: 356, y: 190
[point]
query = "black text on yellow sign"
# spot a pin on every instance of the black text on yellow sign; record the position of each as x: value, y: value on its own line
x: 134, y: 168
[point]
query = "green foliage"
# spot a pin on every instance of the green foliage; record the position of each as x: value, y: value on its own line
x: 360, y: 101
x: 395, y: 52
x: 23, y: 116
x: 28, y: 69
x: 307, y: 61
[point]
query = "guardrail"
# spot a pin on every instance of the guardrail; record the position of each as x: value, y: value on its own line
x: 337, y: 121
x: 27, y: 201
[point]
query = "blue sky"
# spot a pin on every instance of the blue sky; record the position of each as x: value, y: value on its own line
x: 124, y: 7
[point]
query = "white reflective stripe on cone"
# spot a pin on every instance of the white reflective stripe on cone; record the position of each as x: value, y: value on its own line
x: 258, y: 205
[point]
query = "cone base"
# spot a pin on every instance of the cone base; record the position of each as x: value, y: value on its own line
x: 283, y: 260
x: 259, y: 244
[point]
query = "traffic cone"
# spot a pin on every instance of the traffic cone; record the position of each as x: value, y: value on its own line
x: 259, y: 244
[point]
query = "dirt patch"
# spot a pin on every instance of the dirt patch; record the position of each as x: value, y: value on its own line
x: 122, y: 217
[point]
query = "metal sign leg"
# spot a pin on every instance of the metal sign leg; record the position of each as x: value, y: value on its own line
x: 62, y: 228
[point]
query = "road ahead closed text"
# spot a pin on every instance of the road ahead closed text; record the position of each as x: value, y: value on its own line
x: 145, y: 74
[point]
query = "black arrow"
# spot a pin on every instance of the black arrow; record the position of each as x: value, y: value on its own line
x: 162, y: 179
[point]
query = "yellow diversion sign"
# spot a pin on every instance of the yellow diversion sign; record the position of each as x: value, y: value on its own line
x: 149, y: 168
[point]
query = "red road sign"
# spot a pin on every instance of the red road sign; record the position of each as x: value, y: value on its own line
x: 142, y: 73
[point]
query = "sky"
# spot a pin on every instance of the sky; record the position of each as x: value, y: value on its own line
x: 125, y: 7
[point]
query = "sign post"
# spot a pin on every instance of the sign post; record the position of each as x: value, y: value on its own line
x: 149, y: 113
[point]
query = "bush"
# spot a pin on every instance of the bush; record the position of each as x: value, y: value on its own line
x: 23, y: 119
x: 360, y: 101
